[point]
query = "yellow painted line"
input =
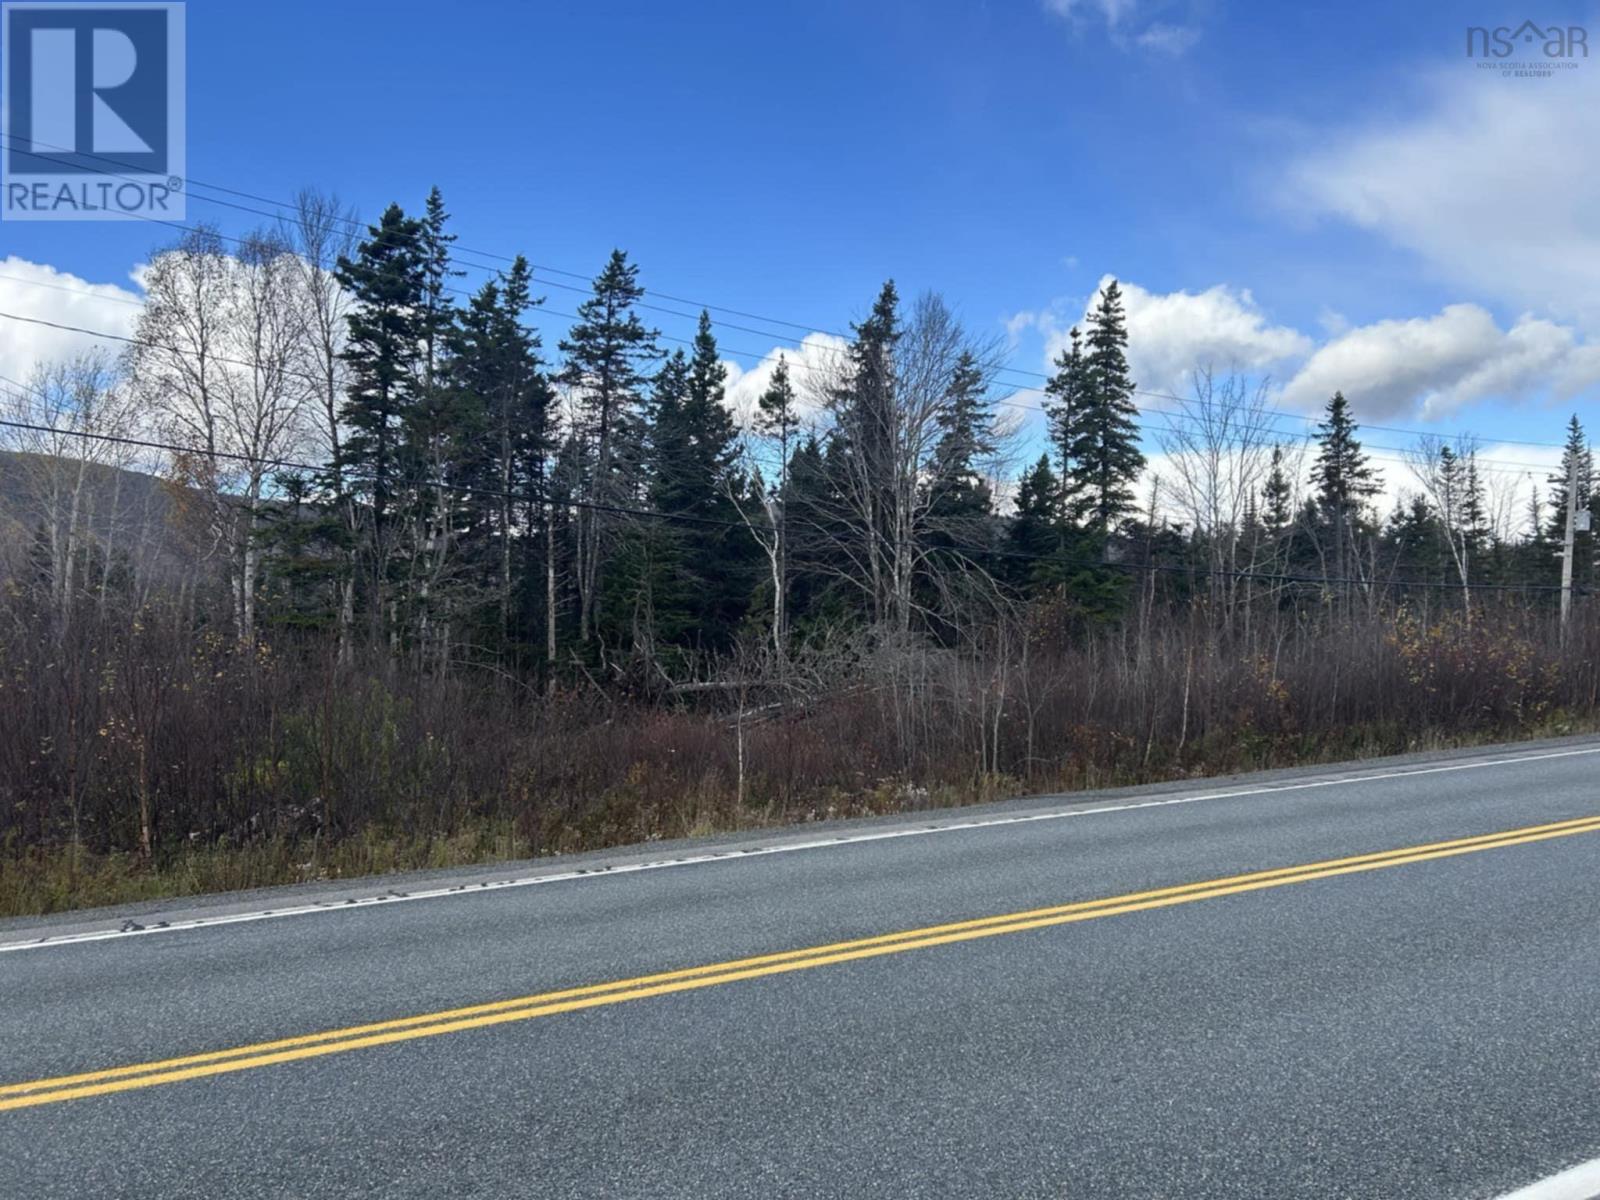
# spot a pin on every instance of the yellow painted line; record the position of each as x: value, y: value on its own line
x: 781, y: 957
x: 335, y: 1041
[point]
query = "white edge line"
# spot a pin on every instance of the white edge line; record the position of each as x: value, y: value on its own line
x: 467, y: 889
x: 1581, y: 1182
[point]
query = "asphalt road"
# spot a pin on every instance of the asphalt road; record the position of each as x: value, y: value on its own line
x: 1425, y: 1024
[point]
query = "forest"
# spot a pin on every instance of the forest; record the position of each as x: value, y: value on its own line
x: 333, y: 566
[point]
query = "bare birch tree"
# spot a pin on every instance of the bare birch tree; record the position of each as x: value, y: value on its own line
x: 320, y: 232
x: 1219, y: 443
x: 68, y: 417
x: 887, y: 407
x: 217, y: 358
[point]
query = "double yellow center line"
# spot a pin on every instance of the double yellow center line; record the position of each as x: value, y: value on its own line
x: 545, y: 1004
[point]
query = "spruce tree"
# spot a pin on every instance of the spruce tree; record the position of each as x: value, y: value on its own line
x: 861, y: 452
x: 386, y: 281
x: 1577, y: 458
x: 1105, y: 456
x: 501, y: 410
x: 1344, y: 480
x: 722, y: 560
x: 607, y: 355
x: 439, y: 313
x: 811, y: 513
x: 651, y: 585
x: 777, y: 415
x: 777, y: 418
x: 1574, y: 452
x: 960, y: 494
x: 1034, y: 536
x: 1065, y: 404
x: 1277, y: 495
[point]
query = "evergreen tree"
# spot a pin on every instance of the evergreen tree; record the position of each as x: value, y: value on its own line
x: 1277, y: 496
x: 651, y: 588
x: 961, y: 495
x: 811, y: 508
x: 1576, y: 459
x: 439, y: 313
x: 670, y: 449
x: 693, y: 477
x: 1344, y: 480
x: 777, y: 418
x: 1034, y: 536
x: 694, y: 435
x: 387, y: 282
x: 1066, y: 404
x: 607, y: 354
x: 862, y: 449
x: 1104, y: 449
x: 501, y: 428
x: 778, y: 412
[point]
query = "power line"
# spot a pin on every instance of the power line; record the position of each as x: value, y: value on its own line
x: 1504, y: 466
x: 973, y: 553
x: 355, y: 223
x: 284, y: 212
x: 315, y: 469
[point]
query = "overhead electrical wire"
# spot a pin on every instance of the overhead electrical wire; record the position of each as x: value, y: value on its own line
x: 283, y: 212
x: 972, y: 553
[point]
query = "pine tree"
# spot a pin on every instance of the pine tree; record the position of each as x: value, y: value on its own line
x: 1105, y: 456
x: 607, y: 354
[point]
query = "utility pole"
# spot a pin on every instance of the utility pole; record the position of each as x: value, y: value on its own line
x: 1567, y: 544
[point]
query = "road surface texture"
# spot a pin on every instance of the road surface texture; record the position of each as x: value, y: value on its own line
x: 1399, y: 998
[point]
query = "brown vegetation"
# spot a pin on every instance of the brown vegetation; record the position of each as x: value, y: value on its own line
x: 140, y: 756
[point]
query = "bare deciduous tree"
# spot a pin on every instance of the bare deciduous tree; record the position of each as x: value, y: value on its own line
x: 1219, y: 443
x: 68, y: 417
x: 886, y: 420
x: 320, y: 232
x: 218, y: 358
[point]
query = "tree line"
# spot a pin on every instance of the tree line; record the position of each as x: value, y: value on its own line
x: 335, y: 545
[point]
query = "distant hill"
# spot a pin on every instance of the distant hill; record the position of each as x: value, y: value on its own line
x: 131, y: 511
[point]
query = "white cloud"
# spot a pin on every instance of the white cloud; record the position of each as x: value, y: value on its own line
x: 1420, y: 368
x: 1431, y: 366
x: 1113, y: 11
x: 1162, y: 38
x: 1170, y: 334
x: 35, y: 290
x: 1494, y: 183
x: 810, y: 364
x: 1126, y: 26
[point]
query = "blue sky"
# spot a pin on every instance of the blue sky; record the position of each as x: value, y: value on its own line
x: 1332, y: 195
